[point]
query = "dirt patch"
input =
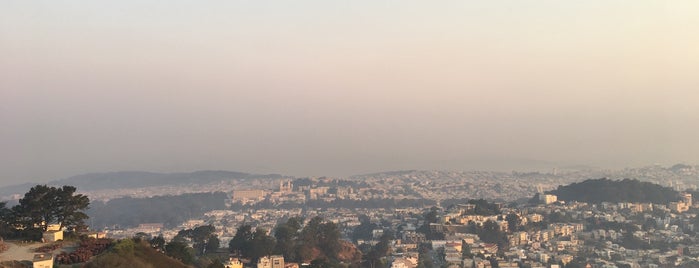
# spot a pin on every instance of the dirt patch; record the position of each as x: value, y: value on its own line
x: 24, y: 251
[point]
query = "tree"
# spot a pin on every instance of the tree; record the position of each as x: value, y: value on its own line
x: 212, y: 245
x: 432, y: 216
x: 380, y: 250
x: 70, y: 208
x: 125, y: 247
x: 216, y: 264
x: 250, y: 244
x: 364, y: 229
x: 286, y: 235
x: 6, y: 220
x: 201, y: 236
x: 466, y: 251
x: 43, y: 205
x: 158, y: 242
x: 179, y: 250
x: 36, y: 208
x: 310, y: 232
x: 513, y: 221
x: 240, y: 243
x: 329, y: 239
x: 141, y: 236
x: 261, y: 244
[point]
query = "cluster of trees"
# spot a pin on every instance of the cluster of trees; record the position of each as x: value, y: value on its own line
x: 364, y: 230
x: 203, y: 238
x: 606, y: 190
x: 316, y: 240
x: 42, y: 206
x: 202, y: 253
x: 382, y: 249
x: 170, y: 210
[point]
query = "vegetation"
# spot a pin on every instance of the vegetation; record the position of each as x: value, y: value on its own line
x: 170, y: 210
x: 490, y: 232
x: 136, y: 254
x: 203, y: 238
x: 317, y: 241
x: 364, y: 230
x: 249, y: 244
x: 606, y: 190
x: 380, y: 250
x: 41, y: 207
x: 44, y: 205
x: 430, y: 217
x: 88, y: 247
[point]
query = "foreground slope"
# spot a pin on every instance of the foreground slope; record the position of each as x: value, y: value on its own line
x: 134, y: 255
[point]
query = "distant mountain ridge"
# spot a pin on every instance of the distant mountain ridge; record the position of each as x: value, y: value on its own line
x: 138, y: 179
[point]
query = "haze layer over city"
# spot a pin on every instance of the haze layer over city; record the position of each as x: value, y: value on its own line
x: 339, y: 88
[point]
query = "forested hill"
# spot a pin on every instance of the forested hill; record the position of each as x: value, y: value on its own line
x: 606, y: 190
x: 170, y: 210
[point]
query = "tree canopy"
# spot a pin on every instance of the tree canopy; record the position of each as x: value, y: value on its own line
x: 606, y: 190
x: 296, y: 241
x: 42, y: 206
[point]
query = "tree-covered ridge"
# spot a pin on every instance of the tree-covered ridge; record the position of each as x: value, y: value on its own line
x: 170, y: 210
x: 606, y: 190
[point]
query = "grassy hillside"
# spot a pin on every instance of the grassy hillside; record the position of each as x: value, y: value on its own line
x: 126, y: 253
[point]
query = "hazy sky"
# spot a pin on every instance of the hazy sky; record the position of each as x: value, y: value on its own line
x: 345, y: 87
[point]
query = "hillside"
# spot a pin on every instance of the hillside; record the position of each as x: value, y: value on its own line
x: 606, y: 190
x: 134, y: 255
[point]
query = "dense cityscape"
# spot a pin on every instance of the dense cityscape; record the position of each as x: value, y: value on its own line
x: 424, y: 219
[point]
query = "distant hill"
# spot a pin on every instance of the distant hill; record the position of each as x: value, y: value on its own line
x: 606, y: 190
x: 137, y: 179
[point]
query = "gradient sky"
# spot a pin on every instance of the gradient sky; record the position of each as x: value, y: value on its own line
x: 345, y: 87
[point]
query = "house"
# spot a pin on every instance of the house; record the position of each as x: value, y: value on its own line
x: 52, y: 236
x: 404, y: 262
x: 97, y: 235
x: 234, y: 263
x: 274, y: 261
x: 43, y: 260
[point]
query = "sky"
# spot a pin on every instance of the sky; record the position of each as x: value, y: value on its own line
x: 314, y: 88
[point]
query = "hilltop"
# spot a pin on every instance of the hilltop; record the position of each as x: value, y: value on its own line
x: 606, y: 190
